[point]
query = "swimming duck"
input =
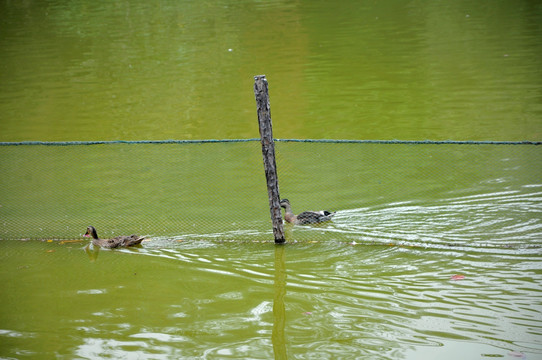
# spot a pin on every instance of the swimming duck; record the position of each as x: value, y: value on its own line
x: 119, y: 241
x: 306, y: 217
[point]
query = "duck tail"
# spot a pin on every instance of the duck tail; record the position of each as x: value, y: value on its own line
x: 136, y: 241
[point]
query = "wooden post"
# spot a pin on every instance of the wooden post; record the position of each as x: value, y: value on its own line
x: 268, y: 151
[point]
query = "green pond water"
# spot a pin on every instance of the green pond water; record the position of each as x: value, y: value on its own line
x: 378, y: 282
x: 389, y: 69
x: 434, y: 252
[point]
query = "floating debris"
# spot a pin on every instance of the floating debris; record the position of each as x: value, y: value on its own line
x: 457, y: 277
x: 517, y: 354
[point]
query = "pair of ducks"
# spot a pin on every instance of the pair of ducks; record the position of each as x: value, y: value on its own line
x: 305, y: 218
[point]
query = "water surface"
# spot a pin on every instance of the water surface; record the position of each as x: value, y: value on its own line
x: 389, y: 69
x: 434, y: 251
x: 216, y: 300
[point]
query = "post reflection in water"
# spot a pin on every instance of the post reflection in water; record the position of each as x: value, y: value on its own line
x: 92, y: 252
x: 279, y: 312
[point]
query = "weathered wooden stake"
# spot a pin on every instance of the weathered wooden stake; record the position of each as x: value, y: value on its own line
x: 268, y: 151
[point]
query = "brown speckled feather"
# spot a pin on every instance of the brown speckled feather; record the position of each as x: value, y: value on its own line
x: 306, y: 217
x: 119, y: 241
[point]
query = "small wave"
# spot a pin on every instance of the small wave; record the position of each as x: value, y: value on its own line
x: 500, y: 219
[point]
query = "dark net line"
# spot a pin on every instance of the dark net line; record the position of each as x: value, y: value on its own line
x: 333, y: 141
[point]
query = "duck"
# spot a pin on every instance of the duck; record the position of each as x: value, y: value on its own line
x: 119, y: 241
x: 306, y: 217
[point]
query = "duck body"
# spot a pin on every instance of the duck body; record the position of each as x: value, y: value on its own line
x: 306, y: 217
x: 119, y: 241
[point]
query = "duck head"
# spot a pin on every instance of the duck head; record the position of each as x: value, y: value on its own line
x: 91, y: 232
x: 285, y: 203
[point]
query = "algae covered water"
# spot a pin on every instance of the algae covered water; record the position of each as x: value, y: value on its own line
x: 434, y: 252
x: 435, y: 248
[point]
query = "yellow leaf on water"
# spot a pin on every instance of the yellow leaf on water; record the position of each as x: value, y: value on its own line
x: 70, y: 241
x: 50, y: 251
x: 49, y: 240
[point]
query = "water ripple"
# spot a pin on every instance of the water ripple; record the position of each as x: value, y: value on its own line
x: 508, y: 218
x: 381, y: 282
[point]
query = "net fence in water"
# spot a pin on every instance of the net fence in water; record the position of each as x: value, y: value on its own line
x: 452, y: 193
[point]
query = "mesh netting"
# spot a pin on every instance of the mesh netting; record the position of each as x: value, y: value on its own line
x: 453, y: 193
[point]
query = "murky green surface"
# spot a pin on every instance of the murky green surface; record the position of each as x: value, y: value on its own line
x: 216, y: 300
x: 375, y: 283
x: 358, y: 70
